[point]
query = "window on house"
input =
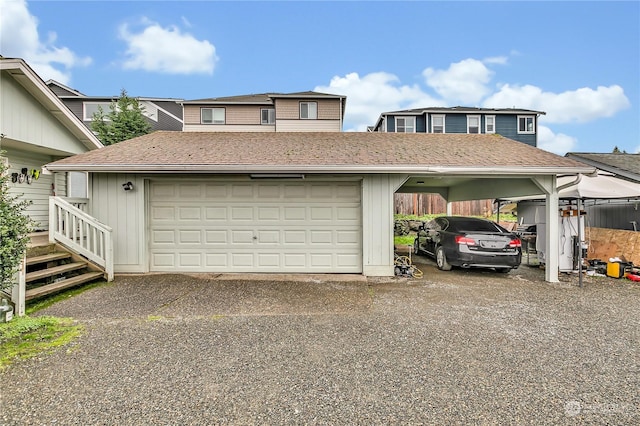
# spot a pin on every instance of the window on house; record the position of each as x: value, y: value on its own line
x: 90, y: 108
x: 212, y: 115
x: 267, y: 116
x: 490, y: 124
x: 526, y: 124
x: 308, y: 110
x: 77, y: 184
x: 405, y: 124
x: 473, y: 124
x: 437, y: 124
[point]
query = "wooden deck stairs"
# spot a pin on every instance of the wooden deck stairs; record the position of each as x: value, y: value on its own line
x: 52, y: 268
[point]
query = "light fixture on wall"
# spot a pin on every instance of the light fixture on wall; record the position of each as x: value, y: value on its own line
x: 128, y: 186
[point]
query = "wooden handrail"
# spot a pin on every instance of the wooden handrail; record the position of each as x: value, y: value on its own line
x: 81, y: 232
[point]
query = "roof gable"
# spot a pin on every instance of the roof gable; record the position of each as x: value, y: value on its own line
x: 36, y: 87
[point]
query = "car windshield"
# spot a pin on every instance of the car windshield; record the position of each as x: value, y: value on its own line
x: 472, y: 226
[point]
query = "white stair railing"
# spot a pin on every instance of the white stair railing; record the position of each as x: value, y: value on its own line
x: 82, y: 233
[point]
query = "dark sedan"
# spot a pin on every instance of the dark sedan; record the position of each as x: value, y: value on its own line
x: 468, y: 242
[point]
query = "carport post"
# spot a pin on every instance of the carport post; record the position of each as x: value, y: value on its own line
x: 552, y: 245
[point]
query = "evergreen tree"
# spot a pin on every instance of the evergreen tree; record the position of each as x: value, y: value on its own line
x: 14, y: 229
x: 125, y: 120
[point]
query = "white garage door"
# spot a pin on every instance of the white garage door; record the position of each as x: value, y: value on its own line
x: 255, y: 227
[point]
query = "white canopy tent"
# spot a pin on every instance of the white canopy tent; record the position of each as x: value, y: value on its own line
x: 600, y: 186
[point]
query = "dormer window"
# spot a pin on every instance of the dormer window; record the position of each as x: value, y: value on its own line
x: 526, y: 124
x: 405, y: 124
x: 212, y: 116
x: 308, y: 110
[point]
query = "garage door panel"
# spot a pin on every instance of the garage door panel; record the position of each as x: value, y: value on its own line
x: 163, y: 237
x: 242, y: 237
x: 216, y: 237
x: 189, y: 213
x: 268, y: 237
x: 189, y: 237
x: 163, y: 213
x: 215, y: 213
x: 255, y: 227
x: 190, y: 191
x: 241, y: 213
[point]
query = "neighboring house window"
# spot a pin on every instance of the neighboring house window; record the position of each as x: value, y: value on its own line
x: 437, y: 124
x: 473, y: 124
x: 212, y: 116
x: 308, y: 110
x: 490, y: 124
x: 526, y: 124
x: 267, y: 116
x: 405, y: 124
x: 91, y: 108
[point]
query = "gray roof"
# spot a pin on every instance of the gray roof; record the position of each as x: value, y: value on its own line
x: 465, y: 110
x: 322, y: 152
x: 622, y: 164
x: 262, y: 98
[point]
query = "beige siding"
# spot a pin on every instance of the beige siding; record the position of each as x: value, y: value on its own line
x: 228, y: 128
x: 124, y: 212
x: 289, y: 109
x: 38, y: 192
x: 243, y: 114
x: 24, y: 119
x: 191, y: 114
x: 307, y: 126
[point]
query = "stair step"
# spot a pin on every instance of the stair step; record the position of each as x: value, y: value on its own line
x: 37, y: 239
x: 61, y: 285
x: 38, y: 275
x: 51, y: 257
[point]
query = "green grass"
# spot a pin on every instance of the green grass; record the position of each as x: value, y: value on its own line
x: 46, y: 301
x: 29, y: 336
x: 403, y: 240
x: 26, y: 337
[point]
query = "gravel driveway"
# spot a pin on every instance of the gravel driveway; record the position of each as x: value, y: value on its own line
x: 451, y: 348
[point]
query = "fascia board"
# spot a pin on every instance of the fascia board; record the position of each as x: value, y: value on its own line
x: 423, y: 170
x: 66, y: 117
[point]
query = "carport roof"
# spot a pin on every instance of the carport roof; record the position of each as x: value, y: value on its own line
x: 321, y: 152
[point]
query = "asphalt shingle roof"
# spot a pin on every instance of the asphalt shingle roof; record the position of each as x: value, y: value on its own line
x: 341, y: 151
x: 622, y: 161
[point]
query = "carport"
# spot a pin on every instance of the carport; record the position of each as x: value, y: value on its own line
x: 467, y: 184
x: 317, y: 202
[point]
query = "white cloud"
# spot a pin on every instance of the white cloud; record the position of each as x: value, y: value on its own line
x: 573, y: 106
x: 19, y: 38
x: 465, y: 81
x: 167, y: 50
x: 374, y: 93
x: 557, y: 143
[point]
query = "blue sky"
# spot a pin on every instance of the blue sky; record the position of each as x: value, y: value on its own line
x: 577, y: 61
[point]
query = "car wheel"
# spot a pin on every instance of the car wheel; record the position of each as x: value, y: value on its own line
x: 503, y: 270
x: 416, y: 246
x: 441, y: 260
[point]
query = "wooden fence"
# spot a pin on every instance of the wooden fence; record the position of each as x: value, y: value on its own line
x: 421, y: 204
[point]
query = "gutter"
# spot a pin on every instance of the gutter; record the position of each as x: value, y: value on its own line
x: 248, y: 168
